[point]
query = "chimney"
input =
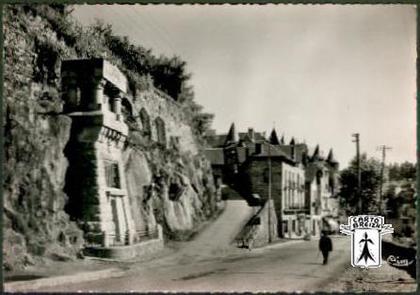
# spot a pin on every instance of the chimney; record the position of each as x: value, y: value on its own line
x: 292, y: 148
x: 258, y: 148
x: 251, y: 134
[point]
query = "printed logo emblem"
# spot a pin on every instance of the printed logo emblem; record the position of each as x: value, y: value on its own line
x: 366, y: 239
x: 399, y: 262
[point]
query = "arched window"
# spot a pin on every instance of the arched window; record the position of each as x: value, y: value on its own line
x: 319, y: 175
x: 160, y: 130
x: 127, y: 108
x: 145, y: 122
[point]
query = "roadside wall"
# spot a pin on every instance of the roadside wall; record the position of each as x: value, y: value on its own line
x: 256, y: 231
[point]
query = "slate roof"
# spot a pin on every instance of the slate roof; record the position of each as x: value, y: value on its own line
x: 275, y: 151
x: 216, y: 140
x: 258, y: 136
x: 300, y: 150
x: 215, y: 156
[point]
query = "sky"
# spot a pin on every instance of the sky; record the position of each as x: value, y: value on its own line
x: 318, y: 73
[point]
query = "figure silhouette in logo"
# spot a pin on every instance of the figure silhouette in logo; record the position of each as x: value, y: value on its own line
x: 365, y: 252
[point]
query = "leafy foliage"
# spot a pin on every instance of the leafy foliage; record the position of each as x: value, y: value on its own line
x: 396, y: 201
x: 202, y: 123
x: 403, y: 171
x: 142, y: 68
x: 370, y: 174
x: 168, y: 74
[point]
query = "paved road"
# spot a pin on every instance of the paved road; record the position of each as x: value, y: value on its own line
x: 210, y: 264
x: 290, y: 266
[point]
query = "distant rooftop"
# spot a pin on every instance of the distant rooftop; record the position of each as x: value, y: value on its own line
x: 215, y: 156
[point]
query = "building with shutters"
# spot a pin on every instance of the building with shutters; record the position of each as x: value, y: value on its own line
x: 301, y: 182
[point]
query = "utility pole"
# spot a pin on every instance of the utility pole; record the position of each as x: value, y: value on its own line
x: 382, y: 148
x: 269, y: 194
x: 359, y: 174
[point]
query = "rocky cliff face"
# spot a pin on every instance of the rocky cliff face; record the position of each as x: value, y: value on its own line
x: 170, y: 185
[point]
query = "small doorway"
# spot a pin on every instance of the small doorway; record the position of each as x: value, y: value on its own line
x: 115, y: 219
x: 119, y: 219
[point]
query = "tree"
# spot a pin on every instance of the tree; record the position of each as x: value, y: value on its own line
x: 403, y: 171
x: 408, y: 170
x: 202, y: 123
x: 370, y: 174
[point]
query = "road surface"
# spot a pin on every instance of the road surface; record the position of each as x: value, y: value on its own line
x: 290, y: 266
x: 209, y: 263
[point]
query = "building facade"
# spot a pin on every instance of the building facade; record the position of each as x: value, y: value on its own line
x: 322, y: 184
x: 96, y: 184
x: 301, y: 183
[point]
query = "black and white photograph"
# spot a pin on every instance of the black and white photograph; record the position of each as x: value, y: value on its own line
x: 209, y: 148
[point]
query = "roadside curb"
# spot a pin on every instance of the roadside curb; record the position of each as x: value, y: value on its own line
x: 60, y: 280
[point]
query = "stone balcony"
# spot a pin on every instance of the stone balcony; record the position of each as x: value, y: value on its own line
x: 100, y: 119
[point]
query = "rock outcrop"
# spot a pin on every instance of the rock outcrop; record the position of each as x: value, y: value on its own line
x: 167, y: 183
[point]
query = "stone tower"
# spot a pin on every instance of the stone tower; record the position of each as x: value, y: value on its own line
x: 95, y: 180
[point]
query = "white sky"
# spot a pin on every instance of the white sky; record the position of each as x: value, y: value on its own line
x: 320, y: 72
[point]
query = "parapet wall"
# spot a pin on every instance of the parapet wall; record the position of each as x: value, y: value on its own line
x: 256, y: 232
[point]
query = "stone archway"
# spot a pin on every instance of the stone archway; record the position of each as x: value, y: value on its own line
x: 127, y: 107
x: 145, y: 122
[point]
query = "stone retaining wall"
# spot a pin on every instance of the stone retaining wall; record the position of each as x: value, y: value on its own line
x: 256, y: 231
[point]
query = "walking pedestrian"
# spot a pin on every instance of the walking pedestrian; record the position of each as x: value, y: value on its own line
x: 325, y: 246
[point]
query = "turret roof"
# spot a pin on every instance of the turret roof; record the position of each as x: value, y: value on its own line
x: 232, y: 136
x: 330, y: 157
x: 273, y: 137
